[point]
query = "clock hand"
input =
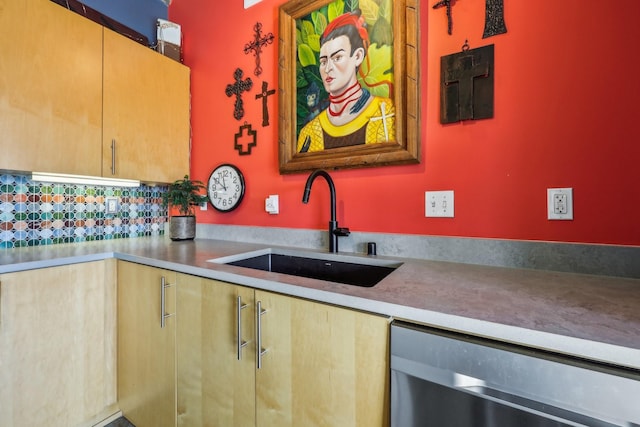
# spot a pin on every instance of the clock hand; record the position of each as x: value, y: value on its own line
x: 221, y: 183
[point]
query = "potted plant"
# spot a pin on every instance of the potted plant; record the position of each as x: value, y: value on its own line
x: 183, y: 195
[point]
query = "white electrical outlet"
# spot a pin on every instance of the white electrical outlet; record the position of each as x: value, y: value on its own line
x: 438, y: 204
x: 111, y: 205
x: 560, y: 203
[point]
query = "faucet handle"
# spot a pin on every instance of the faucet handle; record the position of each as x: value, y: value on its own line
x: 341, y: 231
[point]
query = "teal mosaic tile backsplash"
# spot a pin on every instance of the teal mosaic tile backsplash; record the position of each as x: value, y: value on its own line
x: 35, y: 213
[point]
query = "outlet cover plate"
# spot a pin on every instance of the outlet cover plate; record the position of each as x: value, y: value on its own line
x: 560, y: 203
x: 111, y: 205
x: 438, y: 204
x: 272, y: 204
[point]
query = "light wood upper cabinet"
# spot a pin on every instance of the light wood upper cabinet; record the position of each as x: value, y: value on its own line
x: 146, y: 113
x: 71, y: 89
x: 146, y: 349
x: 323, y: 365
x: 50, y: 89
x: 57, y: 345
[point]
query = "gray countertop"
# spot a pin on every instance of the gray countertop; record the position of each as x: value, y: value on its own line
x: 595, y: 317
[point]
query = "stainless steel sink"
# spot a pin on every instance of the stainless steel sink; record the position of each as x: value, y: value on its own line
x: 351, y: 270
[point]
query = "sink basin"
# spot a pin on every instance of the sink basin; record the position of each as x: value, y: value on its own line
x: 350, y: 270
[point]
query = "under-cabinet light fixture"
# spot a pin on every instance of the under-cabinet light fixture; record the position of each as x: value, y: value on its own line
x: 82, y: 179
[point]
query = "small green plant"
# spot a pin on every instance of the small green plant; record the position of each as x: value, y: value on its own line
x: 184, y: 194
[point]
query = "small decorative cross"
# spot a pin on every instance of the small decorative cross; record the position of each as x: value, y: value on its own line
x: 447, y: 4
x: 252, y: 134
x: 256, y: 45
x: 384, y: 117
x: 236, y: 89
x: 264, y: 94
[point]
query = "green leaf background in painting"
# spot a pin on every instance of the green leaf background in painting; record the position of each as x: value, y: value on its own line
x: 350, y: 5
x: 386, y: 10
x: 306, y: 28
x: 335, y: 9
x: 370, y: 11
x: 314, y: 42
x: 298, y: 36
x: 306, y: 56
x: 378, y: 71
x: 381, y: 33
x: 301, y: 79
x: 311, y: 74
x: 319, y: 22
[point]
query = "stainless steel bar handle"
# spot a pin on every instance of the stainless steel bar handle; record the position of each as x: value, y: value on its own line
x: 259, y: 350
x: 241, y: 343
x: 113, y: 156
x: 529, y: 406
x: 163, y: 299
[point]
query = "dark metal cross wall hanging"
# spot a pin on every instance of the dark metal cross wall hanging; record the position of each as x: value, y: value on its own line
x: 255, y: 46
x: 236, y: 89
x: 494, y: 18
x: 466, y: 85
x: 252, y: 136
x: 447, y: 4
x: 265, y: 110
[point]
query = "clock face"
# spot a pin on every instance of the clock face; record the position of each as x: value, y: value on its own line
x: 226, y: 188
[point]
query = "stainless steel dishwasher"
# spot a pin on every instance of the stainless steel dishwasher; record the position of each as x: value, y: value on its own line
x: 444, y: 379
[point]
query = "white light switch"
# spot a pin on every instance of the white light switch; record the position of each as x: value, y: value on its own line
x: 271, y: 204
x: 438, y: 204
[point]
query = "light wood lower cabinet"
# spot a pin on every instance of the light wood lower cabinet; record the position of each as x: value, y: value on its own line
x: 322, y: 365
x: 214, y: 387
x: 146, y: 347
x: 57, y: 345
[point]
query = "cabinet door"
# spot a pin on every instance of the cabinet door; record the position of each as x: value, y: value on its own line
x: 50, y: 89
x: 57, y: 345
x: 323, y: 366
x: 146, y: 350
x: 215, y: 388
x: 146, y: 112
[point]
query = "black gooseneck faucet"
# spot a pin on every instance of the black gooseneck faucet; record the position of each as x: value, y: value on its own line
x: 334, y: 230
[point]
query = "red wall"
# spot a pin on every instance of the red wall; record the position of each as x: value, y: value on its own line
x: 566, y: 112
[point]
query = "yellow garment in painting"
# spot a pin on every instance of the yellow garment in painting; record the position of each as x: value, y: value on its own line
x: 378, y: 117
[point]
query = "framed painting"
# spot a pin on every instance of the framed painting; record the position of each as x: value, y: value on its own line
x: 349, y: 73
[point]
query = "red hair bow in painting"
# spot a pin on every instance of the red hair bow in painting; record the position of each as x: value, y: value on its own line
x: 352, y: 18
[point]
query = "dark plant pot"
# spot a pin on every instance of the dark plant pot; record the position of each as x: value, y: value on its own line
x: 182, y: 227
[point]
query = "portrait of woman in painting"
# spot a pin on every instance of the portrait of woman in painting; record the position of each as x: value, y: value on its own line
x: 356, y: 106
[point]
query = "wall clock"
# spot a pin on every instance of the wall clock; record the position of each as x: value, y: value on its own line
x: 226, y: 187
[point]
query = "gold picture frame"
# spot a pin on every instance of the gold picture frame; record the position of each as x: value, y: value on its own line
x: 405, y: 69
